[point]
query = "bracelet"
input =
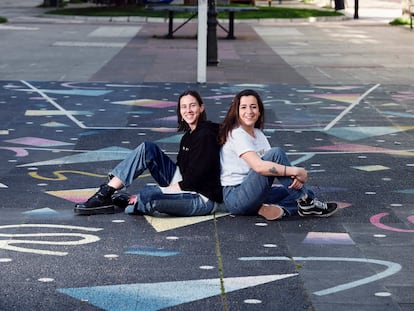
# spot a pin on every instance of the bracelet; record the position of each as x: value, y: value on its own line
x: 285, y: 171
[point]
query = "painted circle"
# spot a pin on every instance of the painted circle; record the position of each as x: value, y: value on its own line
x: 382, y: 294
x: 5, y: 259
x: 45, y: 280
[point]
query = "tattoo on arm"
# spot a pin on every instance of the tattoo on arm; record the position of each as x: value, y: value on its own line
x: 273, y: 170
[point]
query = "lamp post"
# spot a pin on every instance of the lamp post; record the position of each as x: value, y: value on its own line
x: 212, y: 34
x: 356, y: 7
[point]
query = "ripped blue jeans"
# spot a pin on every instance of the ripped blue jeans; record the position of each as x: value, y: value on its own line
x: 256, y: 189
x: 151, y: 200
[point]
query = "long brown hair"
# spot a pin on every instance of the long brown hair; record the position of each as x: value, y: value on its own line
x: 231, y: 121
x: 182, y: 125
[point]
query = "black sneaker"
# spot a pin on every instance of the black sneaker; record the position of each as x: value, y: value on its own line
x: 99, y: 203
x: 316, y: 208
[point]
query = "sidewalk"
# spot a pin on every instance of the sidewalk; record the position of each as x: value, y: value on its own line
x: 372, y: 9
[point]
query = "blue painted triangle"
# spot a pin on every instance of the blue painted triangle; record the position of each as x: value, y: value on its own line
x: 151, y: 251
x: 42, y: 212
x: 406, y: 191
x: 399, y: 114
x: 156, y: 296
x: 105, y: 154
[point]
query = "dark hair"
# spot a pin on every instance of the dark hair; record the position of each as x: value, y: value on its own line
x: 182, y: 125
x: 231, y: 121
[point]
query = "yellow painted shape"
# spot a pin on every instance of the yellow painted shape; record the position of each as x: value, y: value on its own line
x: 371, y: 168
x: 74, y: 195
x: 161, y: 224
x: 404, y: 128
x: 345, y: 98
x: 60, y: 175
x: 139, y: 102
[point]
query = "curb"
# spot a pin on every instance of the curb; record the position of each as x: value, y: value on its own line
x: 144, y: 19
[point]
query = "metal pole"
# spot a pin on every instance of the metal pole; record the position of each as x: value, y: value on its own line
x: 202, y: 42
x: 356, y: 9
x: 212, y: 34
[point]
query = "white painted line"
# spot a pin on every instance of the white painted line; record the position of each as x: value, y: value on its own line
x: 7, y: 244
x: 55, y: 104
x: 70, y: 116
x: 51, y: 226
x: 343, y: 113
x: 90, y: 44
x: 7, y: 27
x: 392, y: 268
x: 116, y: 32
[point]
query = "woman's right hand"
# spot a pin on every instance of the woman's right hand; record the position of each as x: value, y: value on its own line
x: 301, y: 175
x: 299, y: 178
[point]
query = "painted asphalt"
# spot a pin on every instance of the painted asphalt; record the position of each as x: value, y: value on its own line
x: 61, y: 135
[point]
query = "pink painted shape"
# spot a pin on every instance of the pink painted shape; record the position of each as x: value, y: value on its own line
x: 219, y: 96
x: 160, y: 104
x: 170, y: 118
x: 343, y: 204
x: 20, y: 152
x: 36, y: 141
x: 376, y: 221
x: 75, y: 196
x: 164, y: 130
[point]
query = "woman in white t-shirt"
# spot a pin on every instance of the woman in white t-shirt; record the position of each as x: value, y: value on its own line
x: 249, y: 166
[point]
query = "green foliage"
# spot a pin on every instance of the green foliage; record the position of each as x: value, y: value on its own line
x: 277, y: 12
x: 400, y: 21
x: 3, y: 20
x: 262, y: 12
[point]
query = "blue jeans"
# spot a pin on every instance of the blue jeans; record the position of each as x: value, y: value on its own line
x: 151, y: 200
x: 256, y: 189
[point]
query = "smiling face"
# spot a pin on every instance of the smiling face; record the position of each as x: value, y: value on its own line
x: 249, y: 112
x: 190, y: 110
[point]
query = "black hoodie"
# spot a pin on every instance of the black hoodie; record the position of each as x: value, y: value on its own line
x: 199, y: 161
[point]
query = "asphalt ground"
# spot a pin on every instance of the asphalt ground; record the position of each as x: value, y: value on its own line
x: 75, y: 99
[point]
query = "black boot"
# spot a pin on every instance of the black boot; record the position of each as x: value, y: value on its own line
x: 99, y: 203
x: 121, y: 199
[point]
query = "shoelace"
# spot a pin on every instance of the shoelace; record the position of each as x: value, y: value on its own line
x: 320, y: 204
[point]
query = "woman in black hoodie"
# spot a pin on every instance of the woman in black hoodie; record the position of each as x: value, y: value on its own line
x: 189, y: 187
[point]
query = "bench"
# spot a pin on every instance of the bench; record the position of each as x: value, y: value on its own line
x: 171, y: 9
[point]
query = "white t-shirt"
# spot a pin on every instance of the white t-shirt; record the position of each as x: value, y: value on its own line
x: 233, y: 168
